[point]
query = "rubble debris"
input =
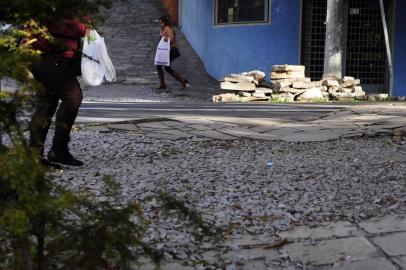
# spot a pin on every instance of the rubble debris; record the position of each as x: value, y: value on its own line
x: 239, y: 86
x: 288, y: 83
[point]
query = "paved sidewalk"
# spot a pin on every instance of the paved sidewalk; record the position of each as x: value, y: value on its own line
x: 375, y: 244
x: 355, y: 121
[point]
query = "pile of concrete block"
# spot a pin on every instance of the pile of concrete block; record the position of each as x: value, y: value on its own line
x: 242, y: 87
x: 346, y: 88
x: 288, y: 83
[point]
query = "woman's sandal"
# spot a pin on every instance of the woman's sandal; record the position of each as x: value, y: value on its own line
x: 185, y: 83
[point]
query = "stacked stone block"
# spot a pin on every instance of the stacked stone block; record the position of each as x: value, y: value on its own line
x: 288, y: 83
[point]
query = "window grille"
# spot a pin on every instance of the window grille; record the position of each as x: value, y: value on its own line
x: 242, y: 11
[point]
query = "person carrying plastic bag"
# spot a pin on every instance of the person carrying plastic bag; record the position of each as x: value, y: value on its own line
x: 166, y: 52
x: 162, y: 53
x: 96, y: 64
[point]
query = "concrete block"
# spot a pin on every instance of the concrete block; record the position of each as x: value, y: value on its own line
x: 225, y: 98
x: 257, y: 74
x: 303, y: 85
x: 127, y: 127
x: 310, y: 94
x: 350, y: 83
x: 280, y: 84
x: 287, y: 75
x: 371, y: 264
x: 252, y: 254
x: 401, y: 261
x: 258, y: 94
x: 385, y: 224
x: 330, y: 83
x: 392, y: 244
x: 340, y: 229
x: 288, y: 68
x: 242, y: 86
x: 331, y: 251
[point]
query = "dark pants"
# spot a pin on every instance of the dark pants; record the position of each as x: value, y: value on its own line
x: 174, y: 53
x: 60, y: 83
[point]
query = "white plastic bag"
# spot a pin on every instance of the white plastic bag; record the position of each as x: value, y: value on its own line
x: 92, y: 72
x: 162, y: 53
x: 96, y: 64
x: 105, y: 61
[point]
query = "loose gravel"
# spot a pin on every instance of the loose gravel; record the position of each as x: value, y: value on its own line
x: 249, y: 188
x: 233, y: 185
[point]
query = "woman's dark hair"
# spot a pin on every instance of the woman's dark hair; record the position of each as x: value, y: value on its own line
x: 165, y: 21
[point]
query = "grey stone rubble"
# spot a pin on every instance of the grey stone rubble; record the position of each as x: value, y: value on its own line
x: 288, y: 83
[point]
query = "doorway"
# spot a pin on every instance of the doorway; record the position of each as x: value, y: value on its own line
x: 364, y: 51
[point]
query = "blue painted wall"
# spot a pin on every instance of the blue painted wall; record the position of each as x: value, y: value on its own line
x: 236, y: 48
x: 399, y: 54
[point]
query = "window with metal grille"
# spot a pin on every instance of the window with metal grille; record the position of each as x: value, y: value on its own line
x: 242, y: 11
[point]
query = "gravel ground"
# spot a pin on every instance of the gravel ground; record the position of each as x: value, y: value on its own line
x: 232, y: 185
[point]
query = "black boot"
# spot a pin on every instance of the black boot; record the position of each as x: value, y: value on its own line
x: 61, y: 155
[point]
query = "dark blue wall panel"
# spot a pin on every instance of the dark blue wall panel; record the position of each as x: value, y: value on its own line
x: 237, y: 48
x: 399, y: 54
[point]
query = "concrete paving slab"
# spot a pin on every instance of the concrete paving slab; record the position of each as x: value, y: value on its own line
x: 331, y: 251
x: 252, y: 254
x: 157, y: 125
x: 283, y: 131
x: 127, y: 127
x: 319, y: 136
x: 247, y: 240
x: 265, y: 136
x: 237, y: 131
x: 263, y: 128
x: 393, y: 244
x: 384, y: 224
x: 100, y: 128
x: 213, y: 134
x: 372, y: 264
x: 177, y: 134
x: 340, y: 229
x: 220, y: 125
x: 334, y: 125
x: 401, y: 261
x: 175, y: 124
x: 200, y: 127
x: 163, y: 136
